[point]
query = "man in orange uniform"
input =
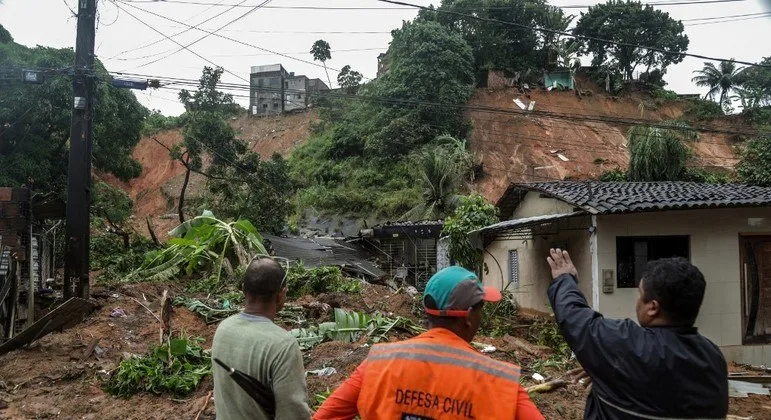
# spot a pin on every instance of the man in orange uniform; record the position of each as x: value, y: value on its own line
x: 438, y: 374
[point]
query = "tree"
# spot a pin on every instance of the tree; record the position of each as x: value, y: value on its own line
x: 630, y: 25
x: 473, y: 213
x: 755, y: 89
x: 659, y: 154
x: 35, y: 122
x: 205, y: 131
x: 431, y: 78
x: 321, y: 52
x: 755, y: 165
x: 260, y: 191
x: 496, y: 46
x: 349, y: 79
x: 5, y: 36
x: 722, y: 81
x: 439, y: 178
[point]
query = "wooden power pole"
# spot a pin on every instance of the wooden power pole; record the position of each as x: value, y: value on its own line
x: 81, y: 139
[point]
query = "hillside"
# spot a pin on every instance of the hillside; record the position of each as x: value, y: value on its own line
x: 511, y: 147
x: 156, y: 190
x: 516, y: 148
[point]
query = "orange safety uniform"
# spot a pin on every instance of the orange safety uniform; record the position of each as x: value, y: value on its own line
x: 436, y: 375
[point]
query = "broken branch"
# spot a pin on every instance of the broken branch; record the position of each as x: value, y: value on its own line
x: 146, y: 308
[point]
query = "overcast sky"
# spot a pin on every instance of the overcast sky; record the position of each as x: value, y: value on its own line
x: 293, y: 31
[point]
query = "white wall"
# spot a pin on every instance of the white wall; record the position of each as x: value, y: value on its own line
x: 714, y: 247
x: 534, y: 205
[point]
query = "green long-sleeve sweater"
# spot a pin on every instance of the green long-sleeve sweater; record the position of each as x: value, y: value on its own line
x: 259, y: 348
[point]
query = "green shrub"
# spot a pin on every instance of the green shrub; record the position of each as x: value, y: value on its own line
x: 701, y: 109
x: 664, y: 94
x: 302, y: 281
x: 614, y: 175
x: 176, y: 368
x: 115, y: 262
x: 755, y: 166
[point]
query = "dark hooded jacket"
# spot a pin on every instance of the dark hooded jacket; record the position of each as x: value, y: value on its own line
x: 640, y: 373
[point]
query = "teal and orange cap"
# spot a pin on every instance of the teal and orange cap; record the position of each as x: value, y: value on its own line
x: 453, y: 291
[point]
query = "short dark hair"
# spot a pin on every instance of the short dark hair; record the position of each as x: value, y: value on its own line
x: 677, y: 285
x: 264, y: 278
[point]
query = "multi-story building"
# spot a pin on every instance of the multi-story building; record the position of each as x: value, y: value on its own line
x: 274, y: 90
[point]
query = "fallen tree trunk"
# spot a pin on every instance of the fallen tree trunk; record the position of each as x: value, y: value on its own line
x: 547, y: 387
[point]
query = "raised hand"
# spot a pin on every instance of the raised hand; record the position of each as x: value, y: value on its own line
x: 560, y: 263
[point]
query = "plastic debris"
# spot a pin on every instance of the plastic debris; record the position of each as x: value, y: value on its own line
x: 520, y: 104
x: 488, y: 349
x: 412, y: 291
x: 538, y: 377
x: 327, y: 371
x: 117, y: 313
x: 562, y: 157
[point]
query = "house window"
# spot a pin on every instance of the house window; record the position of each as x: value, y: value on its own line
x: 513, y: 268
x: 286, y: 85
x: 299, y: 96
x: 264, y: 106
x: 634, y: 252
x: 275, y: 105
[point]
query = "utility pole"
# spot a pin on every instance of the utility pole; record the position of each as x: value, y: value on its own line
x: 81, y: 138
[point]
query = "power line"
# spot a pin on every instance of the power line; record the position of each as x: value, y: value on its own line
x: 728, y: 20
x: 232, y: 39
x: 482, y: 108
x: 568, y: 34
x: 186, y: 47
x: 158, y: 40
x: 575, y: 6
x: 175, y: 41
x: 257, y: 54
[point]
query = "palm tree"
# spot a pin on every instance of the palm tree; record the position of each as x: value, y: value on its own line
x: 441, y: 174
x: 721, y: 80
x: 659, y: 153
x: 321, y: 52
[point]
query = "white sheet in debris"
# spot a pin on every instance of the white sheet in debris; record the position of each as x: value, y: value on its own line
x: 741, y: 389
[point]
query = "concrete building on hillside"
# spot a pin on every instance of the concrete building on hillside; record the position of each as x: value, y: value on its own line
x: 274, y: 90
x: 612, y: 229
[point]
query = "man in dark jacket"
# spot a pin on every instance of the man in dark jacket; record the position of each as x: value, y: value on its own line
x: 660, y: 369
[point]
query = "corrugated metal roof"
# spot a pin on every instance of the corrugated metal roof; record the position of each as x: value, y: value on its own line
x: 477, y: 237
x: 630, y: 197
x: 323, y: 252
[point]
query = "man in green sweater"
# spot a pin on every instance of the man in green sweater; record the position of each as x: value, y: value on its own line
x: 252, y: 343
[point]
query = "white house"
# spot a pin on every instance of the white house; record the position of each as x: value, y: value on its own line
x: 612, y: 229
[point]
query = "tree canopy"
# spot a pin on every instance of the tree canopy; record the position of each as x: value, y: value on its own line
x: 721, y: 81
x: 755, y: 166
x: 239, y: 184
x: 755, y: 82
x: 360, y: 159
x: 630, y: 25
x: 500, y: 46
x: 35, y: 121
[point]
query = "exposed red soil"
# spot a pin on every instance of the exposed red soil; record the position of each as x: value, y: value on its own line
x: 48, y: 379
x: 518, y: 148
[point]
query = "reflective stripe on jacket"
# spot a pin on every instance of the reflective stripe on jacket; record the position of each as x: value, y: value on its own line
x: 436, y: 375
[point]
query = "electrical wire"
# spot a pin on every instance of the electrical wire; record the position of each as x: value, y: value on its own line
x: 187, y: 47
x: 175, y: 41
x: 478, y: 108
x: 232, y: 39
x: 158, y: 40
x: 570, y: 35
x: 204, y: 3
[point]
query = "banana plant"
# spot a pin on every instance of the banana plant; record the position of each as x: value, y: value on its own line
x: 203, y: 244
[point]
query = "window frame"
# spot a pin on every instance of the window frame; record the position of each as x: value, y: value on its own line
x: 621, y: 280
